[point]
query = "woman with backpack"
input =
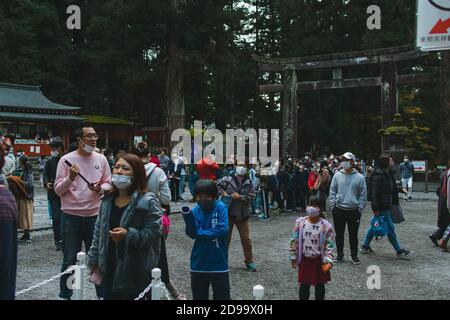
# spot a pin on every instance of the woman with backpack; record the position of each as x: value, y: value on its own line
x: 23, y: 190
x: 384, y: 194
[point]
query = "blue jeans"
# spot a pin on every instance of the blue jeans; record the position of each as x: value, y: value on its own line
x: 75, y: 230
x: 50, y: 214
x: 391, y: 231
x: 194, y: 177
x: 181, y: 185
x: 256, y: 203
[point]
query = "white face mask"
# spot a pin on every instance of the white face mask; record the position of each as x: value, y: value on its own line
x: 312, y: 212
x: 241, y: 171
x: 88, y: 148
x: 54, y: 153
x: 346, y: 165
x: 121, y: 182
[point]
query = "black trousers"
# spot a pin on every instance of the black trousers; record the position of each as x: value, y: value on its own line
x: 162, y: 264
x: 352, y: 219
x: 55, y: 205
x: 174, y: 185
x: 304, y: 292
x: 201, y: 281
x: 300, y: 197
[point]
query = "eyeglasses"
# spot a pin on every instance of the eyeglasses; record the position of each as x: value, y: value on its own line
x: 91, y: 136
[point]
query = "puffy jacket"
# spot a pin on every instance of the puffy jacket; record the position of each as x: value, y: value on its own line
x: 383, y: 190
x: 139, y: 252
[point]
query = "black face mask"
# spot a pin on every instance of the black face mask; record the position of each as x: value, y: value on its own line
x: 206, y: 205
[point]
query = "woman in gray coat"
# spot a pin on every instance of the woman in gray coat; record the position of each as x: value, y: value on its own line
x: 126, y: 244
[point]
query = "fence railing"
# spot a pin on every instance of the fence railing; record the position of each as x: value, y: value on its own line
x: 81, y: 280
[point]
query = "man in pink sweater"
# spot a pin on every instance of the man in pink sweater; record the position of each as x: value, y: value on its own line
x: 82, y: 177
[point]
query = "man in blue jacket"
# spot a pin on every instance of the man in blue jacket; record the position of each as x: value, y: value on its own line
x: 407, y: 174
x: 207, y: 224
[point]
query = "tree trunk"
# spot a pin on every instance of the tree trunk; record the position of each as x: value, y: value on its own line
x: 175, y: 112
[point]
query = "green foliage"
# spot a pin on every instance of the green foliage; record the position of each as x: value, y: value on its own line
x: 116, y: 65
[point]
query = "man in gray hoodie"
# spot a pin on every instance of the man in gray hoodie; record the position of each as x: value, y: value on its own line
x: 348, y: 197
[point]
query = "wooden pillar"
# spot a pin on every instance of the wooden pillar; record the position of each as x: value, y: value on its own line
x: 289, y: 113
x: 444, y: 154
x: 389, y: 102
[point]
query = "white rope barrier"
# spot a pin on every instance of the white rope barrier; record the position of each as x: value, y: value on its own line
x: 81, y: 282
x: 43, y: 283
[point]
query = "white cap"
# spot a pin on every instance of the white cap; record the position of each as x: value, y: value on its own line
x: 349, y: 156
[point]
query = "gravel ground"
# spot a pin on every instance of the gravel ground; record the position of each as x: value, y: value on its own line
x: 423, y: 276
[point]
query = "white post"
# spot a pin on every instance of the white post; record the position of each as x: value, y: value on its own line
x: 156, y: 284
x: 80, y: 276
x: 258, y: 292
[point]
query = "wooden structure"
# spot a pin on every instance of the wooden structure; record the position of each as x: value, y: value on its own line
x: 388, y: 82
x: 26, y: 112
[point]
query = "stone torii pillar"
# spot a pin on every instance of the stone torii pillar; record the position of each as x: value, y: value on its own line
x: 289, y: 107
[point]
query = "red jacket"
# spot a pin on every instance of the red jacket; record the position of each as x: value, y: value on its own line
x: 207, y: 169
x: 312, y: 178
x: 155, y: 160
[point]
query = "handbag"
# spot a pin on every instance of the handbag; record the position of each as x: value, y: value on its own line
x: 397, y: 214
x: 379, y: 227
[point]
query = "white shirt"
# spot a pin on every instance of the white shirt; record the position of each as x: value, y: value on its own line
x: 9, y: 166
x: 311, y: 240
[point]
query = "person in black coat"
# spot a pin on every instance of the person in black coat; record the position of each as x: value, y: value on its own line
x: 49, y: 175
x: 175, y: 166
x: 443, y: 211
x: 384, y: 194
x: 8, y: 244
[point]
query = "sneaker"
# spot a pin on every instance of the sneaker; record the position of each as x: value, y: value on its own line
x: 366, y: 250
x: 26, y: 238
x: 435, y: 242
x: 179, y: 296
x: 340, y: 258
x: 355, y: 260
x: 251, y: 267
x: 443, y: 246
x: 261, y: 216
x: 404, y: 253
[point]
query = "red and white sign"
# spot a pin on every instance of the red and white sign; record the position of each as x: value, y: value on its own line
x: 433, y: 25
x: 420, y: 166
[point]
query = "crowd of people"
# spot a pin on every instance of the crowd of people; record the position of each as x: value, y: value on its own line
x: 118, y: 208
